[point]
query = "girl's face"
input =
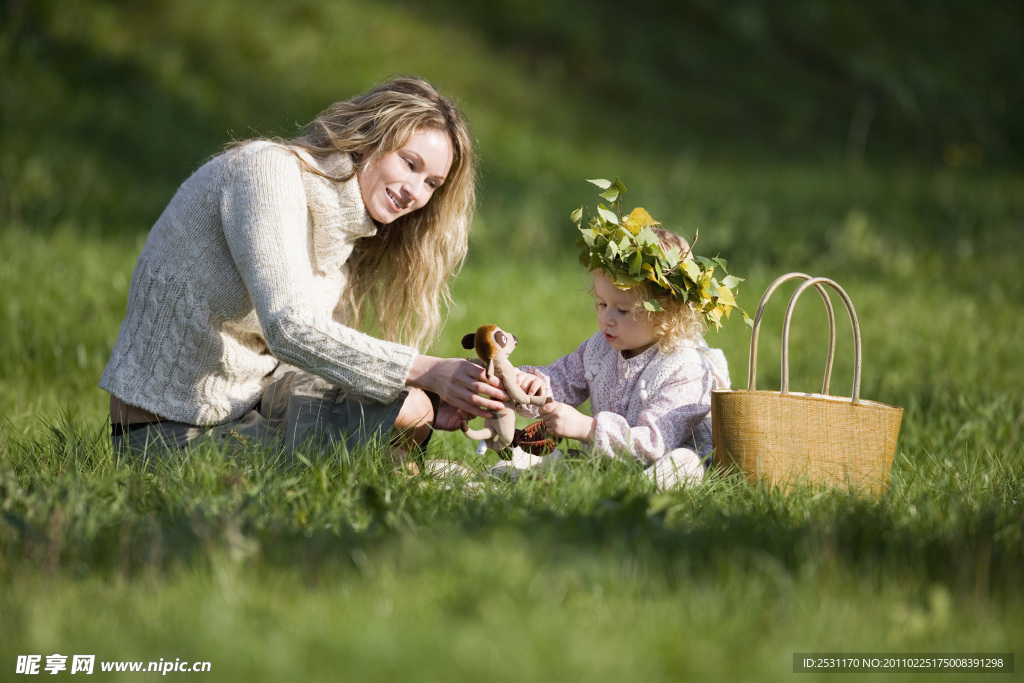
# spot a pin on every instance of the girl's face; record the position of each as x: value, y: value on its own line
x: 627, y: 331
x: 404, y: 180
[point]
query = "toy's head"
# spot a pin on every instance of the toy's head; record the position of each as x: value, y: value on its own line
x: 491, y: 342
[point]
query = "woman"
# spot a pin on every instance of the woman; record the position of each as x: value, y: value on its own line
x: 244, y: 305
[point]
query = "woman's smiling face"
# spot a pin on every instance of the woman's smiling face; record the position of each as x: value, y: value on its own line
x: 404, y: 180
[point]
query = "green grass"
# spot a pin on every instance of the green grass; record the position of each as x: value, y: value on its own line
x: 794, y: 138
x: 336, y: 564
x: 340, y: 566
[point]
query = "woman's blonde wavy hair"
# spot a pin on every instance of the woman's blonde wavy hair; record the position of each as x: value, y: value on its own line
x: 677, y: 321
x: 402, y: 273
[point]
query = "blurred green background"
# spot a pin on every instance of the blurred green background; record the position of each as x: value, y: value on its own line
x: 878, y: 142
x: 107, y: 106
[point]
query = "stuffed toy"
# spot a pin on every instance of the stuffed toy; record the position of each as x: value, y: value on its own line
x: 493, y: 346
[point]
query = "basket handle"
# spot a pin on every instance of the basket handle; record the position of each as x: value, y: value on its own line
x: 818, y: 282
x: 752, y: 372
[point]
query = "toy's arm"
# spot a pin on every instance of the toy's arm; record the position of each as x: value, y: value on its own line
x: 508, y: 374
x: 531, y: 384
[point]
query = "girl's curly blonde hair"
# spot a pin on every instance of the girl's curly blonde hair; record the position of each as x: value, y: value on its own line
x: 677, y: 321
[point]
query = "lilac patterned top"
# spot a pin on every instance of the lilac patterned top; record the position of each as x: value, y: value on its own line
x: 645, y: 406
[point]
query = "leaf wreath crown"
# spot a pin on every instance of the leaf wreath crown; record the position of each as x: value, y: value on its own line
x: 629, y: 252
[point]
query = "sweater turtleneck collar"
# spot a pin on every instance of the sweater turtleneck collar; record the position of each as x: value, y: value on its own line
x: 335, y: 207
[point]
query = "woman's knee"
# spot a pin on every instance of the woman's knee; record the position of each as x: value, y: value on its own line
x: 414, y: 424
x: 417, y: 412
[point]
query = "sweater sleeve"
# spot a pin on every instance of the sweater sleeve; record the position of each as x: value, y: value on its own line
x: 668, y: 419
x: 265, y: 218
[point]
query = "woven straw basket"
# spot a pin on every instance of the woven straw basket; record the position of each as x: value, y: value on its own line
x: 784, y: 439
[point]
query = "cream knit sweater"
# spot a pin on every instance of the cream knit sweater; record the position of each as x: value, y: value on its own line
x: 246, y: 268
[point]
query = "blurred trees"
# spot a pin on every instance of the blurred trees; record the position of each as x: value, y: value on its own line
x: 105, y: 106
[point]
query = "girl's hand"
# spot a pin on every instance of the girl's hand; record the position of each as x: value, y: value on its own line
x: 532, y: 385
x: 459, y: 383
x: 565, y: 421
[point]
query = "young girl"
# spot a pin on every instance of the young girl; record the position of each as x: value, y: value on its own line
x: 648, y: 374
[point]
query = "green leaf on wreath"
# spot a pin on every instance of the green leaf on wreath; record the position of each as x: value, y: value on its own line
x: 725, y: 296
x: 608, y: 215
x: 672, y: 258
x: 646, y: 237
x: 634, y: 266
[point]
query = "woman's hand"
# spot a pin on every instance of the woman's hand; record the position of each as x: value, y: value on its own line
x: 563, y: 420
x: 459, y: 383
